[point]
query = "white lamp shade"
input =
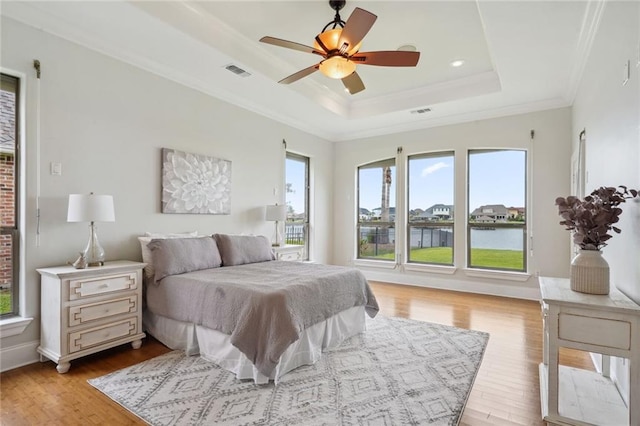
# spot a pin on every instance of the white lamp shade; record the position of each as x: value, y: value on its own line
x: 276, y: 213
x: 90, y: 208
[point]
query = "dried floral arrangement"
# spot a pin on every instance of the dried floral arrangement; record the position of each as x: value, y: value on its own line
x: 592, y: 219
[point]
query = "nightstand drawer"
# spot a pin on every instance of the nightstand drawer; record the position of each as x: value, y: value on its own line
x: 290, y: 256
x: 608, y: 333
x: 88, y: 287
x: 289, y: 253
x: 88, y: 338
x: 83, y: 314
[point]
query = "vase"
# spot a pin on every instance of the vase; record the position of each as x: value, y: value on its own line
x: 589, y: 273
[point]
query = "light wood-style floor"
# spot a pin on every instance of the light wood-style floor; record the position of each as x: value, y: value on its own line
x: 506, y: 390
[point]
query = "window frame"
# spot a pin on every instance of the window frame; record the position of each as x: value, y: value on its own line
x: 427, y: 225
x: 14, y: 231
x: 524, y: 226
x: 307, y: 188
x: 392, y: 162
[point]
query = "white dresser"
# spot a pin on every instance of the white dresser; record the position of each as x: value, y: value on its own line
x: 289, y: 252
x: 604, y: 324
x: 84, y: 311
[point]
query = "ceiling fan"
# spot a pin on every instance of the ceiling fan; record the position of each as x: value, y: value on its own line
x: 340, y: 49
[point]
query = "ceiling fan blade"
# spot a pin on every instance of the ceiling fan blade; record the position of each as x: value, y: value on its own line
x: 290, y: 45
x: 388, y: 58
x: 357, y: 26
x: 353, y: 83
x: 300, y: 74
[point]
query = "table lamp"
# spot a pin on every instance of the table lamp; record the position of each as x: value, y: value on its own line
x: 276, y: 213
x: 91, y: 208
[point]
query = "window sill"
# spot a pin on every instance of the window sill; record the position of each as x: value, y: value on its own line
x: 436, y: 269
x: 375, y: 263
x: 497, y: 275
x: 13, y: 326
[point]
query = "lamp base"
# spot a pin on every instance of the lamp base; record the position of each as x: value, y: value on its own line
x: 277, y: 237
x: 94, y: 253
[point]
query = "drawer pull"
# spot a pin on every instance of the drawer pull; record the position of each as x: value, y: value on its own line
x: 104, y: 285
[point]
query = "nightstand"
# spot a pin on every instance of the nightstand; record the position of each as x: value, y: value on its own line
x: 84, y: 311
x: 289, y: 252
x: 604, y: 324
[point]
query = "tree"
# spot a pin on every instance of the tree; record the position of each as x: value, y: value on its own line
x: 288, y: 188
x: 383, y: 234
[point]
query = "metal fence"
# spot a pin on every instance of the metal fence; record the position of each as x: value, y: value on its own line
x: 295, y: 233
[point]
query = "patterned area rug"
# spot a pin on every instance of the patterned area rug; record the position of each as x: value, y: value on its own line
x: 399, y: 371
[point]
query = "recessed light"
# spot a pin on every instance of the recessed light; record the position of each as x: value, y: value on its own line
x: 346, y: 90
x: 407, y: 48
x: 457, y: 63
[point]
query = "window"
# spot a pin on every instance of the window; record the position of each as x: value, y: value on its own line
x: 297, y: 200
x: 376, y: 210
x: 431, y: 210
x: 9, y: 101
x: 497, y: 211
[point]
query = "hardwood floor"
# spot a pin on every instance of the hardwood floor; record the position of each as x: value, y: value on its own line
x: 506, y: 390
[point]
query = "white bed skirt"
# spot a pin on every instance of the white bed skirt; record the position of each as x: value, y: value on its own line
x: 215, y: 346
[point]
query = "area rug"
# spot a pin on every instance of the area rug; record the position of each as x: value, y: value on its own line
x: 398, y: 371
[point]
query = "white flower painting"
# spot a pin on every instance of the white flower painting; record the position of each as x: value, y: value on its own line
x: 193, y: 183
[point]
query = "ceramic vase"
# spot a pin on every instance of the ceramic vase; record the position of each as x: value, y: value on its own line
x: 589, y: 273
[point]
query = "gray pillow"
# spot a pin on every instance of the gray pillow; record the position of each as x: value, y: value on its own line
x: 241, y: 249
x: 179, y: 255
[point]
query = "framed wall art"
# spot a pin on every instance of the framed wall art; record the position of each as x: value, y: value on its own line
x: 195, y: 184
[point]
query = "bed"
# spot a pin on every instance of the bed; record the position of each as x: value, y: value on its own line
x: 225, y: 298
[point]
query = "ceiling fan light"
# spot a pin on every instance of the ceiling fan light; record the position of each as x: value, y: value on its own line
x: 337, y: 67
x: 331, y: 38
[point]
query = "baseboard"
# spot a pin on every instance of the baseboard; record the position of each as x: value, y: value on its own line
x: 596, y: 359
x: 16, y: 356
x: 511, y: 289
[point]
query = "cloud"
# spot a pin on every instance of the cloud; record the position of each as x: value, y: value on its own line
x: 434, y: 168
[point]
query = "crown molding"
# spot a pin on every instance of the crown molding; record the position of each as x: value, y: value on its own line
x: 475, y: 85
x: 426, y: 123
x: 590, y: 24
x: 31, y: 15
x: 53, y: 21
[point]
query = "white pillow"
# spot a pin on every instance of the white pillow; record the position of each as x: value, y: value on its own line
x: 146, y: 253
x: 164, y: 235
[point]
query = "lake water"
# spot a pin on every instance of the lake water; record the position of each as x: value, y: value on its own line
x: 504, y: 239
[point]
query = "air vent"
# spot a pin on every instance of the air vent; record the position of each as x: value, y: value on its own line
x: 421, y: 111
x: 237, y: 70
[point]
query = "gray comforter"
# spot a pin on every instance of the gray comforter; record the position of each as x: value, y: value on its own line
x: 263, y: 306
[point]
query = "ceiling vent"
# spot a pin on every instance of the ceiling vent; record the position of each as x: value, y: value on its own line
x: 421, y: 111
x: 237, y: 70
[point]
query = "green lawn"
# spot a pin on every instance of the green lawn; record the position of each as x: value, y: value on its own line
x: 501, y: 259
x: 482, y: 258
x: 5, y: 301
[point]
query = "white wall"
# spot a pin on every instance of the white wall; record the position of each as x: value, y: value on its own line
x: 549, y: 154
x: 106, y: 122
x: 610, y: 113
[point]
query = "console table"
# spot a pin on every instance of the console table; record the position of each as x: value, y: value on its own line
x: 608, y: 325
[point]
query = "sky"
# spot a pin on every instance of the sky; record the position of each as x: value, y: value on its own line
x: 295, y: 176
x: 496, y: 177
